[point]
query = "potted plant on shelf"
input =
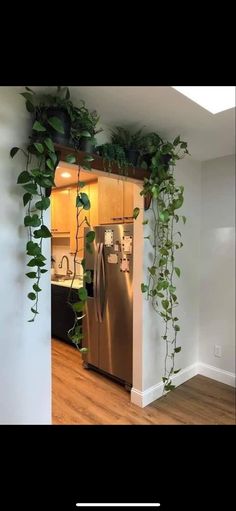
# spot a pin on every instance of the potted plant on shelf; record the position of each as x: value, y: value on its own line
x: 112, y: 154
x: 130, y: 142
x: 54, y: 111
x: 83, y: 129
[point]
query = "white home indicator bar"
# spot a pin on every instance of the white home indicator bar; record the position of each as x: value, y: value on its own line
x: 116, y: 504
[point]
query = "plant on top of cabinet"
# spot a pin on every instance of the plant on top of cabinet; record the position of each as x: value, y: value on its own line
x: 84, y: 128
x: 131, y: 143
x: 113, y: 153
x: 160, y: 287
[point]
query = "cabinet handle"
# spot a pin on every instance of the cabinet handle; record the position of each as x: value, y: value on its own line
x: 54, y: 230
x: 117, y: 218
x: 127, y: 217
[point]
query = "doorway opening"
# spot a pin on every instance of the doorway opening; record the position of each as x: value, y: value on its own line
x: 117, y: 356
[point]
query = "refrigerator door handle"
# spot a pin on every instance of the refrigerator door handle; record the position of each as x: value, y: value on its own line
x: 100, y: 267
x: 95, y: 287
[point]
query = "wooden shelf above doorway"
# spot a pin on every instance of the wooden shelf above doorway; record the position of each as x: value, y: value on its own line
x: 97, y: 163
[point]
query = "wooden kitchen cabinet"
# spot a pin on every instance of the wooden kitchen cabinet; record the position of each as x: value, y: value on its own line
x: 128, y: 201
x: 115, y: 201
x: 60, y: 200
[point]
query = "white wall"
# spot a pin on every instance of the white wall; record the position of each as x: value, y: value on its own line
x: 25, y: 360
x: 188, y: 173
x: 217, y: 304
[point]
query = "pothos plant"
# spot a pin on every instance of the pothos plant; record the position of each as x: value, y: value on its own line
x: 164, y: 238
x: 37, y: 178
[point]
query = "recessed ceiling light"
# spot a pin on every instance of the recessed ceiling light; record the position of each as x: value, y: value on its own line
x: 214, y: 99
x: 65, y: 174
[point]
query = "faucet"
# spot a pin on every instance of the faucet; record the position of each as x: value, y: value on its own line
x: 68, y: 271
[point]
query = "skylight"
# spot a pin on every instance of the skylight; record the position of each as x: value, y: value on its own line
x: 214, y: 99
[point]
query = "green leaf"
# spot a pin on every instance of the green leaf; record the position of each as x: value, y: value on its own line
x: 177, y: 328
x: 34, y: 310
x: 45, y: 232
x: 82, y: 200
x: 164, y: 379
x: 160, y: 295
x: 136, y: 212
x: 85, y: 134
x: 184, y: 219
x: 30, y: 108
x: 152, y: 270
x: 177, y: 350
x: 83, y: 350
x: 32, y: 221
x: 145, y: 222
x: 32, y: 296
x: 177, y: 271
x: 90, y: 236
x: 70, y: 158
x: 32, y: 248
x: 78, y: 306
x: 39, y: 147
x: 176, y: 141
x: 43, y: 270
x: 36, y: 288
x: 56, y: 124
x: 28, y: 96
x: 144, y: 288
x: 177, y: 203
x: 37, y: 126
x: 169, y: 387
x: 81, y: 184
x: 165, y: 304
x: 164, y: 216
x: 177, y: 371
x: 50, y: 164
x: 83, y: 264
x: 13, y: 151
x: 43, y: 204
x: 24, y: 177
x: 31, y: 188
x: 88, y: 158
x: 172, y: 289
x: 49, y: 144
x: 31, y: 275
x: 82, y: 292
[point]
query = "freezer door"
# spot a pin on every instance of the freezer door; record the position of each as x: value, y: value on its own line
x: 90, y: 321
x: 90, y: 335
x: 115, y: 300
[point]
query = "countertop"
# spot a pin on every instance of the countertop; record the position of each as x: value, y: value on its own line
x: 67, y: 283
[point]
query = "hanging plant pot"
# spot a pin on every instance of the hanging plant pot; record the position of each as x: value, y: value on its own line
x: 87, y: 145
x: 132, y: 156
x: 63, y: 116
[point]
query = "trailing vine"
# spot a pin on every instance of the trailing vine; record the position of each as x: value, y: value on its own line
x: 166, y: 199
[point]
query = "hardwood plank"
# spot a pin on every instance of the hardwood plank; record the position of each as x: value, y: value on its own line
x: 83, y: 396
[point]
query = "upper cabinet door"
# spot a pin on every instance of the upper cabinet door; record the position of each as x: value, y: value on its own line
x: 110, y: 200
x: 128, y: 201
x: 60, y: 212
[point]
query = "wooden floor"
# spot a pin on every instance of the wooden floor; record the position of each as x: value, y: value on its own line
x: 83, y: 396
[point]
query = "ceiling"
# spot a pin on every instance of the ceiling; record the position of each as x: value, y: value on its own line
x: 161, y: 109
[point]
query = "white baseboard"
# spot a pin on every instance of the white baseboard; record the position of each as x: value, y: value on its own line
x: 149, y: 395
x: 146, y: 397
x: 216, y: 374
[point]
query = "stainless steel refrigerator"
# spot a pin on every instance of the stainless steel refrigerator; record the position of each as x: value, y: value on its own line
x: 108, y: 324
